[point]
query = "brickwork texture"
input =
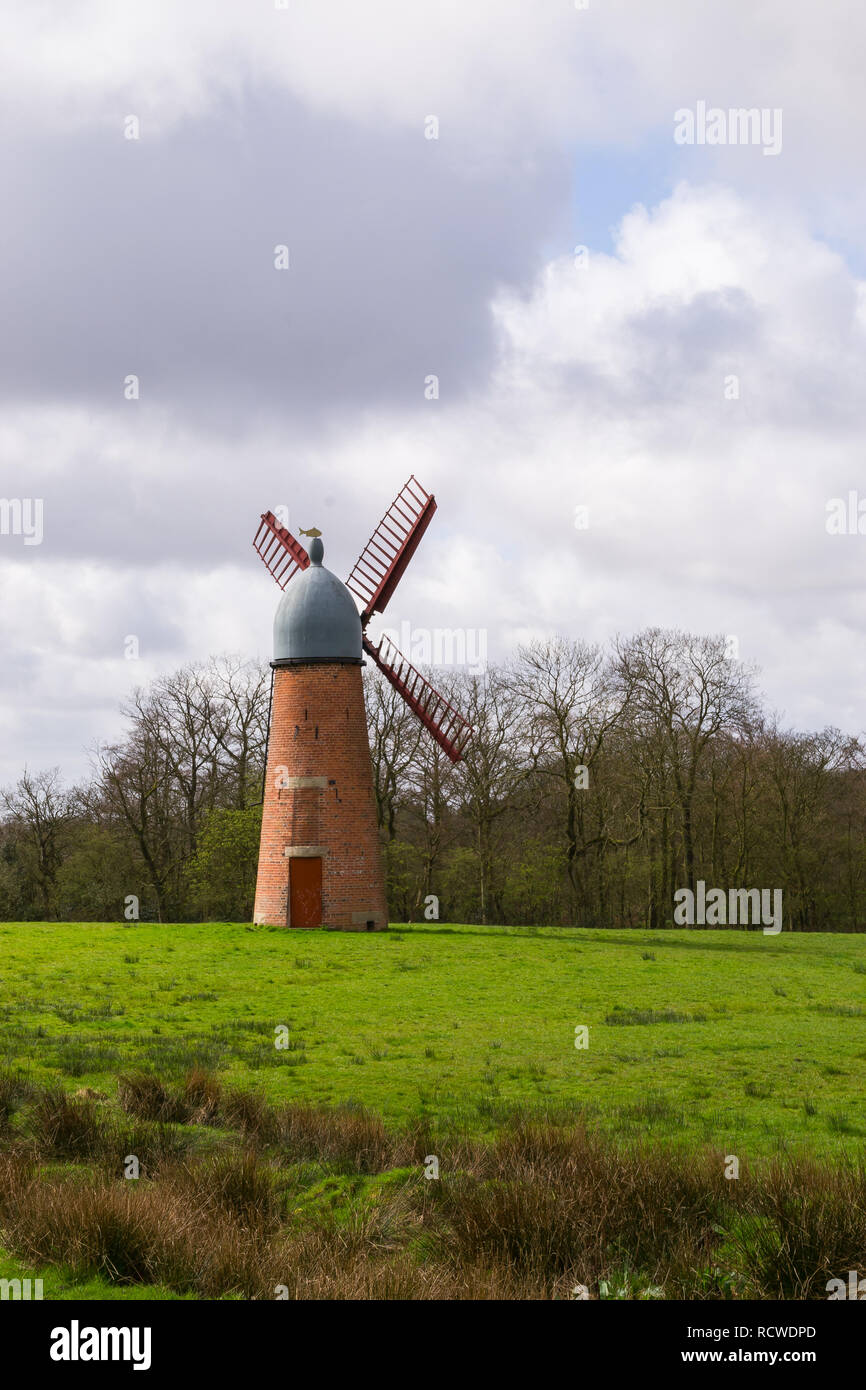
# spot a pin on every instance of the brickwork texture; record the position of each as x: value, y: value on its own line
x: 319, y: 730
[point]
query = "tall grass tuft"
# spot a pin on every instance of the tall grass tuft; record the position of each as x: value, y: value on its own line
x: 248, y: 1198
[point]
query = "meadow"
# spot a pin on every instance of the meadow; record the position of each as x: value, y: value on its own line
x: 284, y: 1091
x: 746, y: 1041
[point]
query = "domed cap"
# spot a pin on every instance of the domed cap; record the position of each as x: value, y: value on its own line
x: 317, y: 619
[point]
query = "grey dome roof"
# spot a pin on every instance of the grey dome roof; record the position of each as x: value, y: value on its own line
x: 317, y: 619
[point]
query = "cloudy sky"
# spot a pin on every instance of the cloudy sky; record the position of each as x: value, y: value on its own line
x: 670, y: 335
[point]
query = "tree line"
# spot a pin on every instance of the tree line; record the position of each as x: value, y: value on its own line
x: 598, y: 782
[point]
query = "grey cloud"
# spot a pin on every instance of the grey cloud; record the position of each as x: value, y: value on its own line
x: 156, y: 257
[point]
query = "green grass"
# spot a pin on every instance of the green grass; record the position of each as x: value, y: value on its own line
x: 61, y: 1284
x: 746, y: 1041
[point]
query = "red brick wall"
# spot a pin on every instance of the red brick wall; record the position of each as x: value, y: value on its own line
x: 318, y: 729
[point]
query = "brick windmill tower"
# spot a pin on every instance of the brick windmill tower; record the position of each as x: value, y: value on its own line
x: 320, y: 863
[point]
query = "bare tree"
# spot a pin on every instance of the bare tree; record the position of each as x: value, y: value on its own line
x: 177, y: 716
x: 136, y: 792
x: 42, y: 811
x: 686, y: 691
x: 804, y: 771
x: 494, y: 770
x: 431, y: 781
x: 233, y: 696
x: 571, y: 702
x: 395, y: 735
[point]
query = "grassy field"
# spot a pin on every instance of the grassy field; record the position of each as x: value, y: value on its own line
x: 748, y: 1042
x: 303, y: 1168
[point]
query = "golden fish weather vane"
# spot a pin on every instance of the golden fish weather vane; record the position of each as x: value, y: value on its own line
x: 314, y: 531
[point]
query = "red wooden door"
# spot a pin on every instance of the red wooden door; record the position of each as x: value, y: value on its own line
x: 305, y: 893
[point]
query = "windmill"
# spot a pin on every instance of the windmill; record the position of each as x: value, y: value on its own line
x: 319, y: 857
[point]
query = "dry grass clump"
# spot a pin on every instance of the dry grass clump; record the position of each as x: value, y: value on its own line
x: 329, y: 1204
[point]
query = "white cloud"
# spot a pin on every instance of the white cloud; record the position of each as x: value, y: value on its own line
x: 705, y: 512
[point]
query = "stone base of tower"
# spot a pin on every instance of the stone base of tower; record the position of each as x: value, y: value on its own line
x: 320, y: 863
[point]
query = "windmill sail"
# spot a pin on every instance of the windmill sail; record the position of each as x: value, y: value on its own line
x: 380, y: 565
x: 450, y: 730
x: 281, y: 553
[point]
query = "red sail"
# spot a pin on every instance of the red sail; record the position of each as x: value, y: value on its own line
x: 282, y: 554
x: 450, y: 730
x: 381, y: 563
